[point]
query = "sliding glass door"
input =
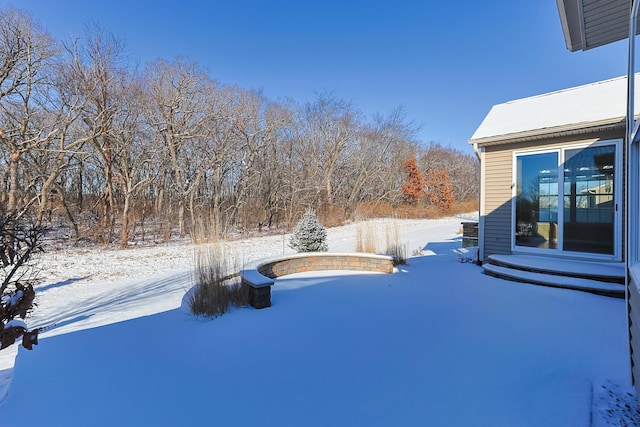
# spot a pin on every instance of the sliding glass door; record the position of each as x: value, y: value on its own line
x: 589, y: 200
x: 537, y: 200
x: 583, y: 183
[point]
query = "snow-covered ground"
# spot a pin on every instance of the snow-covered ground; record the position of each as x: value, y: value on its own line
x: 436, y: 343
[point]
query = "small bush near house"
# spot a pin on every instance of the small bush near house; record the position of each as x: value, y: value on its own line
x: 309, y: 235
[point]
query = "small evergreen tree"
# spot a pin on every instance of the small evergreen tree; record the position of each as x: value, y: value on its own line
x: 309, y: 235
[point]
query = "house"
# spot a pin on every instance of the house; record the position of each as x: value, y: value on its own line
x: 552, y: 174
x: 586, y: 25
x: 561, y: 171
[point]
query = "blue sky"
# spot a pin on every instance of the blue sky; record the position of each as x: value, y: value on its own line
x: 445, y: 63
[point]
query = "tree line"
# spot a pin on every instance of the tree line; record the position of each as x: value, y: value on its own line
x: 110, y: 150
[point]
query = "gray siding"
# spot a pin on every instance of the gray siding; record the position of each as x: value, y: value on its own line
x: 634, y: 331
x: 496, y: 181
x: 497, y: 201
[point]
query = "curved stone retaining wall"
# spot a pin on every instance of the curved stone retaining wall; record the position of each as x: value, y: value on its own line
x: 259, y: 275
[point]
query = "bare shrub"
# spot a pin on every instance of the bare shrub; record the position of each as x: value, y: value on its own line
x: 20, y: 240
x: 369, y: 210
x: 408, y: 211
x: 465, y: 207
x: 332, y: 215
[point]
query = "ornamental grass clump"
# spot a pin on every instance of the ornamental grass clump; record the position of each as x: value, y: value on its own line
x: 218, y: 287
x: 395, y: 249
x: 309, y: 235
x: 366, y: 238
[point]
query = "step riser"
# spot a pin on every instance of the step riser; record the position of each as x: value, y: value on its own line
x: 605, y: 279
x: 604, y: 292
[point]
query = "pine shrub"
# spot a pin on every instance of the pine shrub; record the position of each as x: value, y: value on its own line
x: 309, y: 235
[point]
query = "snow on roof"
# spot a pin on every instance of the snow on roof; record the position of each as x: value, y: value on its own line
x: 591, y: 103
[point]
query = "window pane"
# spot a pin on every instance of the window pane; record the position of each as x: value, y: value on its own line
x: 589, y: 207
x: 536, y: 222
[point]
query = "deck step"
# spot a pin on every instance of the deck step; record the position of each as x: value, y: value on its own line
x: 613, y: 272
x: 597, y: 278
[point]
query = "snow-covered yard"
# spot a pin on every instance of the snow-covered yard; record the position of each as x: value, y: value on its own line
x: 437, y: 343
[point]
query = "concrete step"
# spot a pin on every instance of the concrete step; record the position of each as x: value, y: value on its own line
x: 613, y: 272
x: 557, y: 281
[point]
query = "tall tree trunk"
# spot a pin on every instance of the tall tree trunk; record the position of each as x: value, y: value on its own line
x: 12, y: 199
x: 124, y: 234
x: 72, y: 220
x: 107, y: 211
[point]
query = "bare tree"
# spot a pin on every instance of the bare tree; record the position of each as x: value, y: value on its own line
x: 69, y: 135
x: 333, y: 125
x: 256, y: 128
x: 179, y: 108
x: 133, y: 157
x: 96, y: 67
x: 25, y: 54
x: 81, y: 133
x: 462, y: 168
x: 371, y: 170
x: 222, y: 150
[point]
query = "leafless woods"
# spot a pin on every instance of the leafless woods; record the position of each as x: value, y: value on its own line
x: 107, y: 150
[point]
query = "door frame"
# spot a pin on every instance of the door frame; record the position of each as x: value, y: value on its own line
x: 617, y: 194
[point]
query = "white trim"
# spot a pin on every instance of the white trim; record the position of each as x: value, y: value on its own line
x: 618, y: 201
x: 482, y: 211
x: 632, y: 181
x: 514, y: 189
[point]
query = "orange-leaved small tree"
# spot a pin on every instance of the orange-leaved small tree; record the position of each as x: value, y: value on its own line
x: 413, y: 188
x: 439, y: 189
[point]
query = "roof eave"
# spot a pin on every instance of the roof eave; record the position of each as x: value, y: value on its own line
x: 569, y: 19
x: 587, y: 25
x: 552, y: 132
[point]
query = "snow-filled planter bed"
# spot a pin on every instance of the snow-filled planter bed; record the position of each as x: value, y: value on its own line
x: 259, y: 275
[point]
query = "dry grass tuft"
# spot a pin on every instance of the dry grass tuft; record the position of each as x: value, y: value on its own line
x: 398, y: 253
x: 218, y: 286
x: 366, y: 238
x: 394, y: 248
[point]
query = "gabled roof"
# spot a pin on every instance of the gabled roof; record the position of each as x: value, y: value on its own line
x: 580, y: 109
x: 591, y: 23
